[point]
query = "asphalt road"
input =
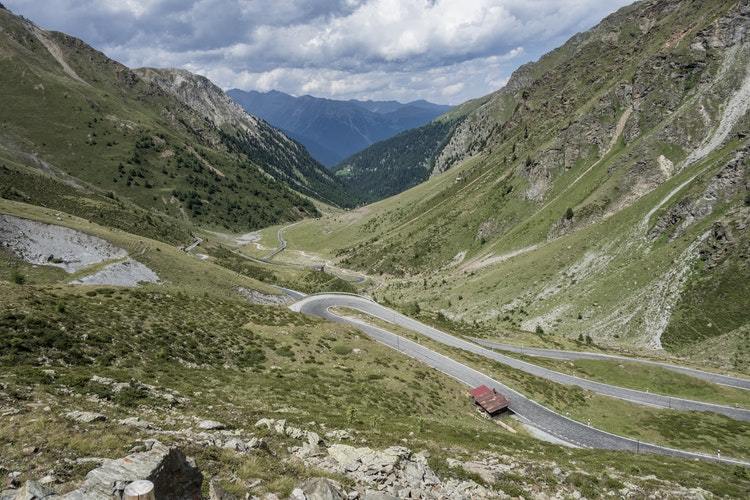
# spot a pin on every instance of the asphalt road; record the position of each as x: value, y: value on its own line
x: 641, y: 397
x: 268, y: 259
x: 715, y: 378
x: 532, y: 412
x: 282, y: 243
x: 196, y: 241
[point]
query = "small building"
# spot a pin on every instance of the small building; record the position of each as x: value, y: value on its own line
x: 489, y: 400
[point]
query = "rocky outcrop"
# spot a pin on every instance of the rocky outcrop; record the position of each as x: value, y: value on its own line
x: 726, y: 238
x: 205, y: 98
x: 394, y: 471
x: 730, y: 181
x: 175, y: 476
x: 31, y: 490
x: 168, y: 395
x: 311, y: 439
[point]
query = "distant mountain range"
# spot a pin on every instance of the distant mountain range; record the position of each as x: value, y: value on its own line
x: 334, y: 130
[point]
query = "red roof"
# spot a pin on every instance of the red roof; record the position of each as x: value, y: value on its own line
x: 489, y: 399
x: 480, y: 391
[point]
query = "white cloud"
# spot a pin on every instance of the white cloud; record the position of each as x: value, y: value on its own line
x: 446, y: 50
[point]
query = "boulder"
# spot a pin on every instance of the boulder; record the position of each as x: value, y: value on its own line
x: 211, y: 425
x: 235, y: 444
x: 216, y: 492
x: 14, y: 479
x: 85, y: 417
x: 256, y: 442
x: 339, y: 434
x: 31, y: 490
x: 318, y: 488
x: 367, y: 460
x: 280, y: 426
x: 265, y: 422
x: 294, y: 432
x: 313, y: 439
x: 136, y: 422
x: 174, y: 475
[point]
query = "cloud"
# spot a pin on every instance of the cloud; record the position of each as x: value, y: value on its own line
x: 444, y: 50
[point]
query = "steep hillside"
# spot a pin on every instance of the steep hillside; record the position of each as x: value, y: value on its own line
x: 603, y: 192
x: 396, y: 164
x: 333, y: 130
x: 281, y: 157
x: 82, y: 124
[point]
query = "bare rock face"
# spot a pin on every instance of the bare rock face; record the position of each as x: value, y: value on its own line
x: 727, y: 183
x: 175, y: 476
x: 200, y: 94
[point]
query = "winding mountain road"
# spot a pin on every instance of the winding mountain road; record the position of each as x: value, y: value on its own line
x: 268, y: 259
x: 528, y: 410
x: 282, y: 242
x: 716, y: 378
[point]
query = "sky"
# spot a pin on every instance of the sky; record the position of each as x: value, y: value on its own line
x: 445, y: 51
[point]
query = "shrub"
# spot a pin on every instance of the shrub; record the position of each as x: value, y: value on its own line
x: 18, y: 278
x: 539, y: 330
x: 131, y: 395
x: 253, y: 356
x: 342, y: 350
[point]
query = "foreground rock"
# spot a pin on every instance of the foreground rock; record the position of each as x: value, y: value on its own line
x: 318, y: 488
x: 31, y: 490
x: 174, y: 475
x: 395, y: 472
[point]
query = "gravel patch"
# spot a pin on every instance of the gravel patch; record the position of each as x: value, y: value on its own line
x: 127, y: 273
x: 51, y: 245
x: 264, y: 299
